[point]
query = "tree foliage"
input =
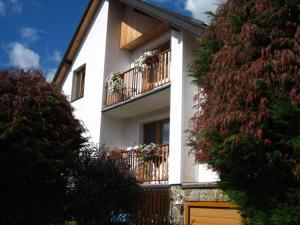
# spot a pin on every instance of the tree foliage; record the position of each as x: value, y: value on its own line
x: 39, y: 145
x: 248, y: 126
x: 101, y: 190
x: 48, y: 171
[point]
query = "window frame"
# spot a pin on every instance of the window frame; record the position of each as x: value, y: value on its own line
x: 78, y: 84
x: 158, y: 124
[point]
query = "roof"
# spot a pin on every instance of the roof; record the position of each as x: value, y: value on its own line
x: 193, y: 26
x: 176, y: 20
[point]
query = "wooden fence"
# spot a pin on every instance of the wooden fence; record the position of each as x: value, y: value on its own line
x: 136, y: 82
x: 153, y: 207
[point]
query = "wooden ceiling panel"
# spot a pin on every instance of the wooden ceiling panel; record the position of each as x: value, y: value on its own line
x: 138, y: 28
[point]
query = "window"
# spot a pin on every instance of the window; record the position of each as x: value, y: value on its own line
x: 157, y: 132
x: 78, y: 83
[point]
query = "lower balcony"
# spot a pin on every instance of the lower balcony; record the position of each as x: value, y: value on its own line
x: 135, y: 82
x: 149, y: 169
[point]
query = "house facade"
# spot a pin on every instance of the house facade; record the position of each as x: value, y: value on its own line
x: 143, y: 105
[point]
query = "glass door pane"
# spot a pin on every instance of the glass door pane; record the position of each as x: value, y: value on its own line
x: 150, y: 133
x: 164, y: 132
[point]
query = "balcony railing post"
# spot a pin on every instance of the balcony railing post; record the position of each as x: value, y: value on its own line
x: 106, y: 93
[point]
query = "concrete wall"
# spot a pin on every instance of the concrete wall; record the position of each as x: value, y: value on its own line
x: 91, y: 53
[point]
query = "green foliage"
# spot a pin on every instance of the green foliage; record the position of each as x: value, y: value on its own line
x: 236, y: 21
x: 203, y: 58
x: 210, y: 14
x: 101, y: 190
x: 39, y: 144
x: 249, y: 126
x: 48, y: 172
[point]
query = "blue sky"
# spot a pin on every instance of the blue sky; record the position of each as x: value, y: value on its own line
x: 37, y: 32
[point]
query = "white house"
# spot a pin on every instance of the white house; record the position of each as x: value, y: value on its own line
x: 151, y: 105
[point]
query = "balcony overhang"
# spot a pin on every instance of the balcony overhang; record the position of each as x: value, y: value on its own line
x: 144, y: 103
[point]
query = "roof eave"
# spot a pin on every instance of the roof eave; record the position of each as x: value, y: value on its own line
x: 67, y: 60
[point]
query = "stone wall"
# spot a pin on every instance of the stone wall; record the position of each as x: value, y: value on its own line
x: 181, y: 193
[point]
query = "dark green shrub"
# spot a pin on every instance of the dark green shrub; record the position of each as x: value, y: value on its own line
x: 248, y: 125
x: 101, y: 190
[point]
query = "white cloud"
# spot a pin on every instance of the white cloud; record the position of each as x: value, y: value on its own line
x: 30, y: 34
x: 23, y: 57
x: 55, y: 56
x: 50, y: 74
x: 2, y: 9
x: 199, y: 7
x: 16, y: 6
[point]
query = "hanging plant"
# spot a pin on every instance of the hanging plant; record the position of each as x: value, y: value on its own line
x: 147, y: 60
x: 146, y: 152
x: 115, y: 83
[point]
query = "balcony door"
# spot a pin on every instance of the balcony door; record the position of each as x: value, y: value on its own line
x: 157, y: 132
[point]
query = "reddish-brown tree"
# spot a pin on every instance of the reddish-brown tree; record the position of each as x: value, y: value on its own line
x: 39, y: 146
x: 248, y: 122
x: 43, y: 178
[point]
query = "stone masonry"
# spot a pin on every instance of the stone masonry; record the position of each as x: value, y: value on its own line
x: 181, y: 193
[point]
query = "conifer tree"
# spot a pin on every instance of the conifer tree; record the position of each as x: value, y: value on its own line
x: 247, y: 127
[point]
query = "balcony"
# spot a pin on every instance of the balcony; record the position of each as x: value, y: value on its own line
x: 136, y: 83
x: 152, y: 171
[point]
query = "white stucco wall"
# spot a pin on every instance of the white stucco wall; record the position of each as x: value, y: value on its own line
x: 182, y: 167
x: 191, y: 172
x: 91, y: 53
x: 176, y: 108
x: 126, y: 133
x: 161, y: 39
x: 134, y: 126
x: 116, y: 60
x: 189, y: 168
x: 113, y: 132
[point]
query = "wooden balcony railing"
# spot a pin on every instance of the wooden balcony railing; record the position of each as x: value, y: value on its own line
x: 152, y: 171
x: 136, y: 82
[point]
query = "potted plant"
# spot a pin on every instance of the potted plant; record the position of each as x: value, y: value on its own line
x: 115, y: 83
x: 147, y: 60
x: 146, y: 152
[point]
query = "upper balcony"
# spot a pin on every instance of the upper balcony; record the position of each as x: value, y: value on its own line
x: 136, y: 83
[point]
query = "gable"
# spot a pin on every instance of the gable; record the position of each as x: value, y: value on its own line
x: 133, y: 34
